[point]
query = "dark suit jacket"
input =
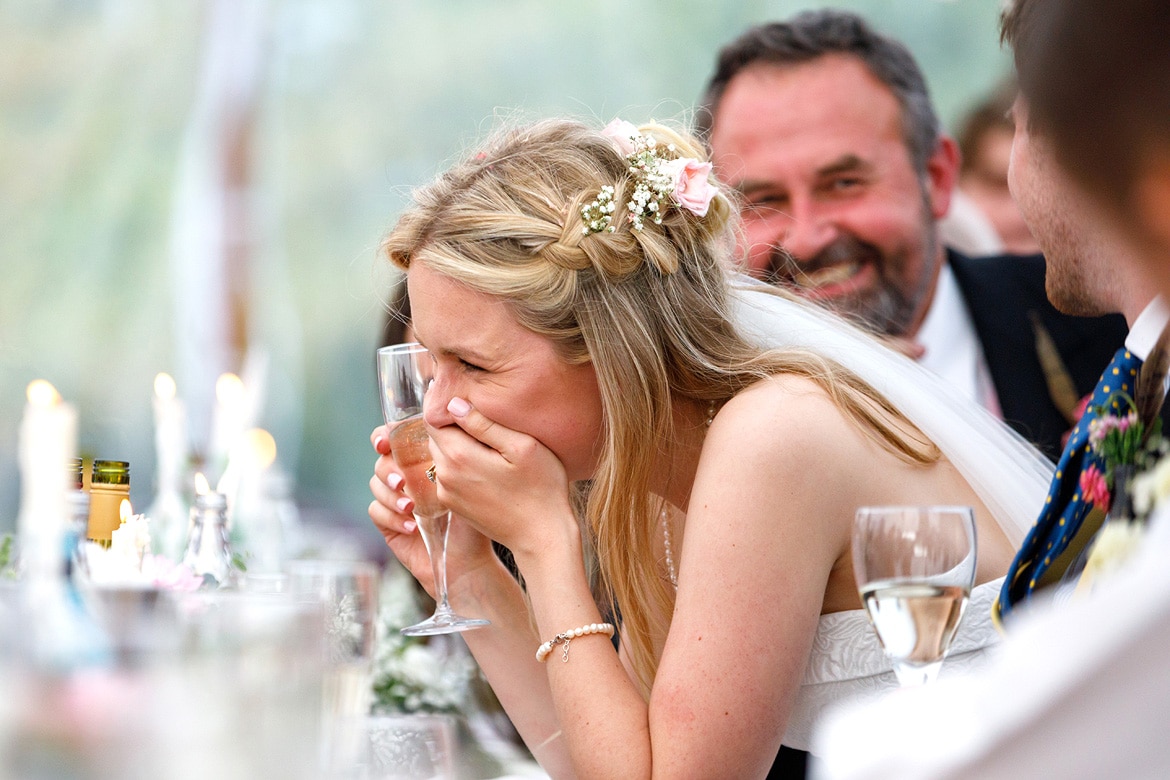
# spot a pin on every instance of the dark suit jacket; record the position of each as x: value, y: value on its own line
x: 1000, y: 291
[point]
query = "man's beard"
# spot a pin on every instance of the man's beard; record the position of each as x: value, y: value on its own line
x: 886, y: 308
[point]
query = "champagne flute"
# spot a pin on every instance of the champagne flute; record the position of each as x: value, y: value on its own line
x: 914, y: 567
x: 404, y: 373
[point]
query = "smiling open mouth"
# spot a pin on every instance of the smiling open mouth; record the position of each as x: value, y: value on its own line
x: 824, y: 277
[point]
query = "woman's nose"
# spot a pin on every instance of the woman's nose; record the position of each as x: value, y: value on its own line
x: 438, y: 395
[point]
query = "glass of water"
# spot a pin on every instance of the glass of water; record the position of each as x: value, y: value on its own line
x: 348, y: 593
x: 915, y: 566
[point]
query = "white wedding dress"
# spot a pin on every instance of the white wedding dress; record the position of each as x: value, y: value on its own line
x: 1009, y: 475
x: 847, y: 663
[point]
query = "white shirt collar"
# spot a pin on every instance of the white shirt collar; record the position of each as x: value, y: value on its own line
x: 1148, y: 327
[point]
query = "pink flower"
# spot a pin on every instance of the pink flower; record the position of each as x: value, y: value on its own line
x: 1094, y: 489
x: 171, y: 576
x: 622, y: 134
x: 693, y: 190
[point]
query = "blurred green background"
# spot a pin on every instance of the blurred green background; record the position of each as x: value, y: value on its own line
x: 160, y: 158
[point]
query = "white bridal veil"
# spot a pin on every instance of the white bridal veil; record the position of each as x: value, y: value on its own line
x: 1009, y: 475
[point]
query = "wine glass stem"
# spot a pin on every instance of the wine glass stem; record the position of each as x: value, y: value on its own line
x: 914, y: 675
x: 438, y: 553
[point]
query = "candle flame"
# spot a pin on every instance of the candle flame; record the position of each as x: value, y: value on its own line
x: 261, y: 447
x: 201, y: 485
x: 125, y: 510
x: 164, y: 386
x: 42, y: 394
x: 229, y: 389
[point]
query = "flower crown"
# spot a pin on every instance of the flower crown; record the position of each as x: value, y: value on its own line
x: 659, y: 180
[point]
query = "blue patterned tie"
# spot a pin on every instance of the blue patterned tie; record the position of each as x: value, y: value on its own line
x: 1064, y: 510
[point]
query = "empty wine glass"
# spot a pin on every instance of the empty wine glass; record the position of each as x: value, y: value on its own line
x: 914, y: 567
x: 404, y: 372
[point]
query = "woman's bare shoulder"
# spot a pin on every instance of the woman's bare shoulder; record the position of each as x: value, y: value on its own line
x: 800, y: 406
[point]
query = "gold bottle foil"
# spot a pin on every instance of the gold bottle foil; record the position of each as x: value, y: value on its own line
x: 109, y: 485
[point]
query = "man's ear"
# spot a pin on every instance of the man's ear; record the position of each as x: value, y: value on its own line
x: 942, y: 173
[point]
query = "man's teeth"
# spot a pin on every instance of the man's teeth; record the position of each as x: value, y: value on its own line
x: 825, y: 276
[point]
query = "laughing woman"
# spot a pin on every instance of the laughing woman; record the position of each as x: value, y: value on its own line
x: 629, y: 419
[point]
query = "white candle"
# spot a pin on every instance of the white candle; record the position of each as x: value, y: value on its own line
x: 170, y: 430
x: 48, y: 441
x: 168, y: 512
x: 228, y: 420
x: 130, y: 541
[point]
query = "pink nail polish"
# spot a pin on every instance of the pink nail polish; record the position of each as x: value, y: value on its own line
x: 378, y: 442
x: 394, y: 480
x: 403, y: 504
x: 409, y: 526
x: 458, y: 407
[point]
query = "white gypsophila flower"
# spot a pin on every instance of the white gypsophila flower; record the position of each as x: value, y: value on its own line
x: 414, y: 674
x: 1114, y: 544
x: 1151, y: 488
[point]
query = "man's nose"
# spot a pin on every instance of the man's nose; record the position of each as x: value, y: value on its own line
x: 808, y: 232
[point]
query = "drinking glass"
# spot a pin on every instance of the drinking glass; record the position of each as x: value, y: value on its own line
x: 348, y: 592
x: 404, y: 373
x: 915, y: 566
x: 408, y: 747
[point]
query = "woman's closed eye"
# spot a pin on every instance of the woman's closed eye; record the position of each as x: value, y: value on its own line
x: 469, y: 366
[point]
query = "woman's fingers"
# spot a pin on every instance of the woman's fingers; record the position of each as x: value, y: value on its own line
x: 380, y: 440
x: 481, y: 428
x: 393, y: 507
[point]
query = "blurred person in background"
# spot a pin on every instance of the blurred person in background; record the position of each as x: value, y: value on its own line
x: 827, y: 131
x: 984, y: 218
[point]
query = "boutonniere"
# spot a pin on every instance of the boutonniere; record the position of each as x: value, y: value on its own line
x: 1132, y: 478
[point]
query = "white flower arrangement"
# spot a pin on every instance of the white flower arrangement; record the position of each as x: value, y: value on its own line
x: 414, y: 674
x: 1151, y: 488
x: 660, y: 177
x: 1135, y: 466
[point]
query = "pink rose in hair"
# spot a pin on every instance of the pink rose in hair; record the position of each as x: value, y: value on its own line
x: 622, y: 134
x: 693, y: 190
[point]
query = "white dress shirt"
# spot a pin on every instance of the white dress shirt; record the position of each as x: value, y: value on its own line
x: 953, y: 351
x: 1147, y: 327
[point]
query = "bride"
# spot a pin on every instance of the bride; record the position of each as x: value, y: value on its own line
x: 665, y: 447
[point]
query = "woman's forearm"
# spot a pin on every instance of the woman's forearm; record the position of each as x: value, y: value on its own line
x: 603, y: 715
x: 505, y: 652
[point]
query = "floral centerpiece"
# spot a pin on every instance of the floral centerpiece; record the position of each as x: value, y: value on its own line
x: 415, y: 674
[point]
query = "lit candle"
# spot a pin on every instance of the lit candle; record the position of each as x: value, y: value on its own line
x: 48, y: 441
x: 130, y: 541
x: 170, y: 425
x: 168, y: 511
x: 228, y: 420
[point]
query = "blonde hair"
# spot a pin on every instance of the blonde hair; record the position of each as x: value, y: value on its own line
x: 649, y: 309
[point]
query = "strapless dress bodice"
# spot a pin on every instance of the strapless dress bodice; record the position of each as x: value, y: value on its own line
x: 847, y: 662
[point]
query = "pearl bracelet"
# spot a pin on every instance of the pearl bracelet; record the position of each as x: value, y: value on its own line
x: 543, y: 651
